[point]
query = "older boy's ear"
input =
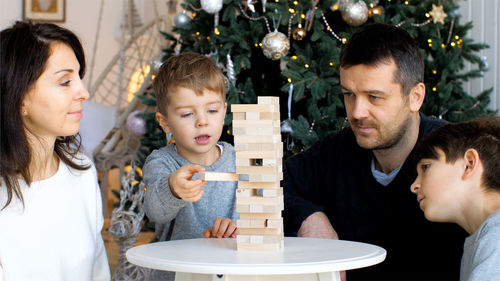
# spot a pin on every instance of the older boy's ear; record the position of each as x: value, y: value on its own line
x: 472, y: 164
x: 417, y: 96
x: 163, y: 122
x: 225, y: 107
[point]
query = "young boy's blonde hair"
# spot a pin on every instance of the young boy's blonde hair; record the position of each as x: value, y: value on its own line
x: 189, y: 70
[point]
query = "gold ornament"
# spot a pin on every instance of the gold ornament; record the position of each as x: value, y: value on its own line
x: 437, y: 13
x: 275, y: 45
x: 374, y: 11
x: 299, y: 33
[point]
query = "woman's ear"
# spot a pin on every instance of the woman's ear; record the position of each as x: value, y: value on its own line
x: 162, y: 120
x: 472, y: 163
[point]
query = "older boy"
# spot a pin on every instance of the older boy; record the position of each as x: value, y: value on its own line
x: 191, y: 105
x: 458, y: 182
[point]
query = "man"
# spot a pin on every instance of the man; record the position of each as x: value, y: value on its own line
x: 354, y: 185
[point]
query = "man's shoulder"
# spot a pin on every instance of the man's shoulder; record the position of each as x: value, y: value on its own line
x: 428, y: 124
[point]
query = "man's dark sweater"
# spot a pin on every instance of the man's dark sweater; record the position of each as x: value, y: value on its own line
x: 335, y: 176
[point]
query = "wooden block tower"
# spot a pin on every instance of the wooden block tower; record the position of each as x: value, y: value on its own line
x: 259, y: 153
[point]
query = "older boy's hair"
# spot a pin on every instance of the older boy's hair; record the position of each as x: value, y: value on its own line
x: 189, y: 70
x: 454, y: 139
x: 379, y: 43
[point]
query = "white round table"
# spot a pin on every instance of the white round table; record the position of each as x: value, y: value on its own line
x: 218, y: 259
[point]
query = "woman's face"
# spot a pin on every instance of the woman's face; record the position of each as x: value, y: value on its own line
x: 53, y: 106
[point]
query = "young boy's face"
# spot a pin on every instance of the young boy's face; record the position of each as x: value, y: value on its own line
x: 439, y: 188
x: 196, y: 123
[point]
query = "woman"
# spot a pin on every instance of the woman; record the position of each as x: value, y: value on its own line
x: 50, y: 204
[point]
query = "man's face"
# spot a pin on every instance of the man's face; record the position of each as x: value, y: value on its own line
x: 378, y: 112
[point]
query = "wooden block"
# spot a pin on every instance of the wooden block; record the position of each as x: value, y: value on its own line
x: 252, y: 116
x: 215, y: 176
x: 259, y: 185
x: 272, y: 192
x: 242, y: 238
x: 247, y: 247
x: 246, y: 192
x: 268, y: 100
x: 256, y: 239
x: 250, y: 216
x: 244, y: 223
x: 257, y: 139
x: 255, y: 154
x: 260, y: 231
x: 258, y: 170
x: 274, y: 223
x: 258, y: 146
x: 272, y: 162
x: 254, y: 108
x: 255, y: 123
x: 240, y: 208
x: 243, y: 162
x: 270, y: 116
x: 258, y: 200
x: 239, y: 116
x: 265, y: 178
x: 256, y: 131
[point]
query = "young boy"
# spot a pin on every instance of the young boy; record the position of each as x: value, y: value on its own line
x: 458, y: 181
x: 190, y: 95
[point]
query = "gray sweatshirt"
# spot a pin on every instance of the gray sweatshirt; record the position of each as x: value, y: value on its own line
x: 481, y: 258
x: 191, y: 219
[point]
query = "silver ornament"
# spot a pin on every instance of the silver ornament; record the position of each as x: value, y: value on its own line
x: 484, y: 66
x: 136, y: 124
x: 181, y: 19
x: 355, y: 14
x: 275, y: 45
x: 211, y: 6
x: 231, y: 75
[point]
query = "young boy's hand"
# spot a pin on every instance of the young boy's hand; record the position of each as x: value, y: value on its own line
x: 183, y: 186
x: 222, y: 227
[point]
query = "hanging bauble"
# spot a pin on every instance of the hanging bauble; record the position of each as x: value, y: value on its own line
x: 211, y: 6
x: 355, y: 14
x: 136, y: 124
x: 374, y: 11
x: 275, y: 45
x: 342, y: 4
x: 299, y: 33
x: 181, y: 19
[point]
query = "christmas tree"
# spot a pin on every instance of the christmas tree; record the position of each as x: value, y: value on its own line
x: 291, y: 49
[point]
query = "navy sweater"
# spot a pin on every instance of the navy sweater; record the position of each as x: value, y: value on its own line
x: 334, y: 176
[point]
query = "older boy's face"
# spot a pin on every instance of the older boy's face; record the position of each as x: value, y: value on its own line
x: 196, y: 123
x: 439, y: 189
x: 378, y: 112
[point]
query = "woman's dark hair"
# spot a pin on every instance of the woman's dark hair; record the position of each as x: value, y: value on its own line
x: 379, y: 43
x: 24, y: 50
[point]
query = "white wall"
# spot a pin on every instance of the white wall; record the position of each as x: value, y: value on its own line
x: 82, y: 18
x: 484, y: 14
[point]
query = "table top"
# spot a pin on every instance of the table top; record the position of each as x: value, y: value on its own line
x: 219, y: 256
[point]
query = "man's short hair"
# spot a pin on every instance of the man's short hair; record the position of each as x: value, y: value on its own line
x: 379, y: 43
x: 189, y: 70
x: 454, y: 139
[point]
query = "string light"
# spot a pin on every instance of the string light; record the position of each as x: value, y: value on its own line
x: 306, y: 65
x: 344, y: 40
x: 452, y: 44
x: 427, y: 15
x: 208, y: 37
x: 260, y: 44
x: 193, y: 15
x: 291, y: 11
x: 302, y: 16
x: 295, y: 3
x: 434, y: 71
x: 406, y: 2
x: 289, y: 80
x: 256, y: 45
x: 443, y: 45
x: 294, y: 57
x: 331, y: 63
x: 335, y: 7
x: 197, y: 33
x: 216, y: 31
x: 434, y: 89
